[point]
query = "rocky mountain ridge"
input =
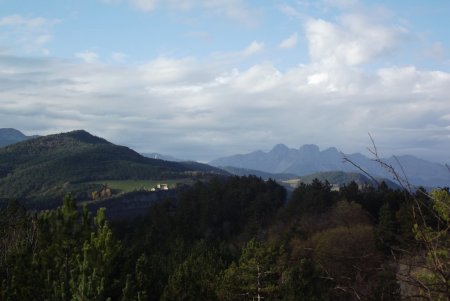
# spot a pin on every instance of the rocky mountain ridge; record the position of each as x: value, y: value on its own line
x: 310, y: 159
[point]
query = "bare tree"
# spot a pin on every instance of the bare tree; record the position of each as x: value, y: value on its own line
x: 426, y: 272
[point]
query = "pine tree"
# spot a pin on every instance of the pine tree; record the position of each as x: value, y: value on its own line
x: 386, y: 227
x: 195, y: 278
x: 255, y: 277
x: 94, y: 264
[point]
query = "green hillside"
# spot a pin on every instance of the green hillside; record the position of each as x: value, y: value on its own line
x: 46, y: 167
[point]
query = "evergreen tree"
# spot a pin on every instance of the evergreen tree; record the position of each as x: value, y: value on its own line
x: 95, y: 263
x: 434, y: 277
x: 304, y: 281
x: 196, y: 277
x: 255, y: 277
x: 59, y: 244
x: 386, y: 229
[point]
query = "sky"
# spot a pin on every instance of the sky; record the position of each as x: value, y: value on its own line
x: 202, y: 79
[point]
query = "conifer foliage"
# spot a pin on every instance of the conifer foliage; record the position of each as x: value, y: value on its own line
x: 236, y: 238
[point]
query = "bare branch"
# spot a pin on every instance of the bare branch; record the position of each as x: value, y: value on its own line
x: 346, y: 159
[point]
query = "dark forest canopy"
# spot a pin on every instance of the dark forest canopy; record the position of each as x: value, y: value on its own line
x: 232, y: 239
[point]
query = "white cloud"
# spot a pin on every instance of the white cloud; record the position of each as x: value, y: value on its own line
x: 258, y: 79
x: 88, y: 56
x: 290, y: 11
x: 43, y: 39
x: 289, y: 42
x: 436, y: 51
x: 356, y: 39
x: 202, y: 109
x: 111, y: 1
x: 27, y: 35
x: 181, y: 4
x: 144, y: 5
x: 209, y: 110
x: 201, y: 35
x: 119, y: 57
x: 236, y: 10
x: 165, y: 71
x: 253, y: 48
x: 18, y: 20
x: 318, y: 78
x: 343, y: 3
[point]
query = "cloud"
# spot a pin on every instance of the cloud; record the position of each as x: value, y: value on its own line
x: 144, y: 5
x: 290, y: 11
x: 198, y: 110
x: 346, y: 4
x: 206, y: 108
x: 235, y: 10
x: 253, y: 48
x: 18, y: 20
x: 436, y: 51
x: 119, y: 57
x: 26, y: 35
x: 87, y: 56
x: 355, y: 39
x: 111, y: 1
x: 289, y: 42
x: 201, y: 35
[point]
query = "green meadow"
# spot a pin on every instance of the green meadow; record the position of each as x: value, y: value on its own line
x: 123, y: 186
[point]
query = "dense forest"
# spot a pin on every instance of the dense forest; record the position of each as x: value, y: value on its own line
x: 236, y: 238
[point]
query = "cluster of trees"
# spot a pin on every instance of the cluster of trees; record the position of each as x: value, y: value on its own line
x: 238, y: 238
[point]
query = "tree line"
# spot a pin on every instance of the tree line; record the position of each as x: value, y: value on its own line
x: 236, y: 238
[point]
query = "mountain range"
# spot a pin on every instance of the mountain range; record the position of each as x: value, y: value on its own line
x: 309, y: 159
x: 10, y: 136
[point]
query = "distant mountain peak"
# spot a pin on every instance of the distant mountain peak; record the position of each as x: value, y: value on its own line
x: 308, y: 159
x: 331, y: 150
x: 280, y: 149
x: 11, y: 131
x: 10, y: 136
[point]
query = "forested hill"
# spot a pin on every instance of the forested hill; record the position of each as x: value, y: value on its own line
x: 47, y: 166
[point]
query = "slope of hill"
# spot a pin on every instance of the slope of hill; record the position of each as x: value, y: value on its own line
x: 48, y: 166
x: 309, y: 159
x: 10, y: 136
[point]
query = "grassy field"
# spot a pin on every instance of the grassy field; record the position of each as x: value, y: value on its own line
x: 123, y: 186
x: 292, y: 182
